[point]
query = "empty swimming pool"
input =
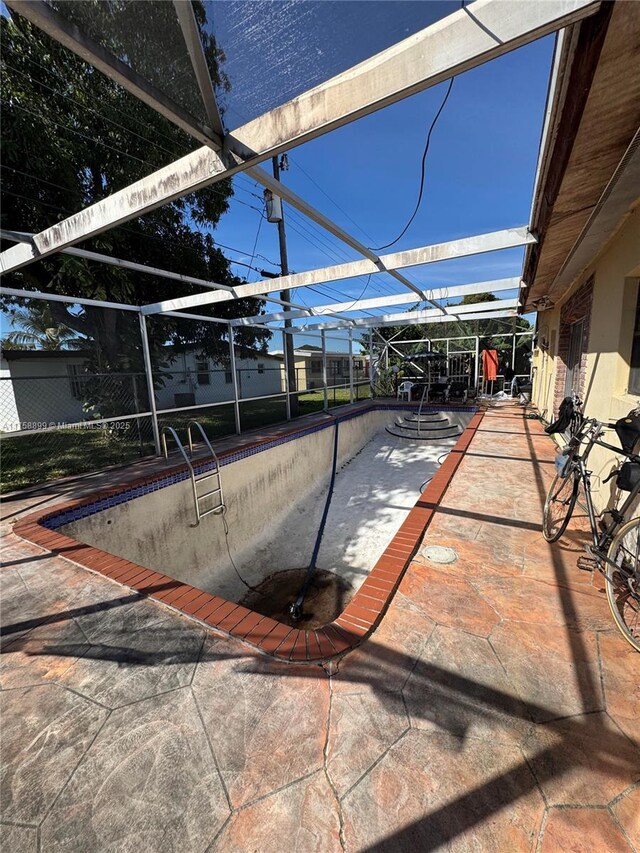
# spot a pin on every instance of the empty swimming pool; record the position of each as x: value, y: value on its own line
x: 275, y: 495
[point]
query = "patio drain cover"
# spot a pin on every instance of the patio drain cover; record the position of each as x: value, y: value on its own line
x: 439, y: 554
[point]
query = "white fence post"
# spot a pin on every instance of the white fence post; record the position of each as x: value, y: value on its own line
x: 148, y: 369
x: 234, y: 379
x: 324, y: 370
x: 287, y: 387
x: 351, y: 365
x: 371, y: 363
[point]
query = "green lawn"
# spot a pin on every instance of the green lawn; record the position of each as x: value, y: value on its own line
x: 40, y: 458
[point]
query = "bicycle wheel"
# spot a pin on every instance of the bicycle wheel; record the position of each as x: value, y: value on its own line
x: 623, y: 581
x: 559, y: 504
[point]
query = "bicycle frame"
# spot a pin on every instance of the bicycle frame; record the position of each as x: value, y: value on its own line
x: 618, y: 514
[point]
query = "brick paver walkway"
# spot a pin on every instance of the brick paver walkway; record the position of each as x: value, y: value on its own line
x: 494, y: 709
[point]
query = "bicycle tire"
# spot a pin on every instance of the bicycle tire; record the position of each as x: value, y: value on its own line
x: 622, y: 603
x: 559, y: 486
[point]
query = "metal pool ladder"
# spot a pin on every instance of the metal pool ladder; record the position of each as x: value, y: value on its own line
x: 213, y: 474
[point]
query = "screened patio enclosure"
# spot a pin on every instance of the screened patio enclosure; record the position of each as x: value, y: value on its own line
x: 273, y: 106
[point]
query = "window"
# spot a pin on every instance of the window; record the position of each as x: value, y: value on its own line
x: 202, y: 368
x: 228, y: 378
x: 260, y: 367
x: 634, y: 372
x: 75, y: 383
x: 316, y: 365
x: 574, y: 360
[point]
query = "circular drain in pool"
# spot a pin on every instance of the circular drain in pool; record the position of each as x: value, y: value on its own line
x: 326, y: 598
x: 439, y: 554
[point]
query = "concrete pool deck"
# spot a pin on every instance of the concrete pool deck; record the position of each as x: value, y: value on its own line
x: 494, y: 708
x: 47, y: 528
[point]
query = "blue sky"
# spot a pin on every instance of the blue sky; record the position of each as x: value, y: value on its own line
x: 479, y: 177
x: 480, y: 167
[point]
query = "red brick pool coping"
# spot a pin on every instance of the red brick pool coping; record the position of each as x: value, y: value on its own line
x: 357, y: 621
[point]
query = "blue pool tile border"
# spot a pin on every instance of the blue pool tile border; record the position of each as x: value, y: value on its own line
x: 54, y: 522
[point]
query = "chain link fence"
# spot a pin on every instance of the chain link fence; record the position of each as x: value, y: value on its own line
x: 60, y: 416
x: 53, y: 425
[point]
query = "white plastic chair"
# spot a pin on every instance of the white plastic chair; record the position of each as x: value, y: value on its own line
x: 405, y: 388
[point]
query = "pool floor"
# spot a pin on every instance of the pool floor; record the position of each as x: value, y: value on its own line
x: 373, y: 493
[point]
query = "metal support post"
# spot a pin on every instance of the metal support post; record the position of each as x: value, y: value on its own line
x: 350, y: 365
x: 234, y: 378
x: 371, y: 363
x: 324, y: 370
x: 287, y: 387
x: 476, y: 378
x: 289, y: 343
x: 146, y: 355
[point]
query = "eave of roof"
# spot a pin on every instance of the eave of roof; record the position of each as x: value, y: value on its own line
x: 594, y: 124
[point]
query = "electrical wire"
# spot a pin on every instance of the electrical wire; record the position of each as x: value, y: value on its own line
x: 226, y: 542
x: 333, y: 201
x: 422, y: 175
x: 255, y: 242
x: 91, y: 110
x: 382, y: 287
x: 162, y: 240
x: 302, y: 223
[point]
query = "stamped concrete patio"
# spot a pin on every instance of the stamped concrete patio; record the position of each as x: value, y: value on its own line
x: 494, y: 709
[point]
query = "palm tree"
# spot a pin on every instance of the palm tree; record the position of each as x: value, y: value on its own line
x: 36, y: 329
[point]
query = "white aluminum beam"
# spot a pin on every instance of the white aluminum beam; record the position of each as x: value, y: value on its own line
x: 71, y: 300
x: 383, y: 301
x: 70, y: 36
x: 410, y: 319
x: 487, y: 315
x: 191, y: 35
x: 25, y: 237
x: 463, y: 247
x: 457, y: 43
x: 56, y: 26
x: 428, y: 315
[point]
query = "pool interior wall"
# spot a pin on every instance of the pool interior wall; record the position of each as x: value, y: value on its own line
x: 275, y: 499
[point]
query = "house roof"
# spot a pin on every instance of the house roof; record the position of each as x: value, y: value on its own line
x: 40, y: 354
x: 254, y: 353
x: 315, y: 352
x: 589, y: 169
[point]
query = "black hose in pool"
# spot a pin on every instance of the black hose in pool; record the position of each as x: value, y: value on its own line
x: 295, y: 610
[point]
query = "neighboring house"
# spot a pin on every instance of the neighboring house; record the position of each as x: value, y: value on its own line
x: 191, y: 380
x: 583, y: 274
x: 40, y: 388
x: 308, y: 364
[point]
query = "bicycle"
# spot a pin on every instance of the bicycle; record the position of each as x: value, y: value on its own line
x: 616, y: 547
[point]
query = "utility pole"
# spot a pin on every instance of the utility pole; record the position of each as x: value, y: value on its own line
x: 285, y: 295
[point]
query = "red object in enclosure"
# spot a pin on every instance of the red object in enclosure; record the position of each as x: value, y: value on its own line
x: 489, y: 365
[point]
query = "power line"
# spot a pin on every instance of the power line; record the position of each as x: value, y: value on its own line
x: 50, y: 70
x: 255, y: 242
x: 91, y: 110
x: 162, y: 240
x: 130, y: 230
x: 84, y: 136
x: 302, y: 222
x: 333, y: 201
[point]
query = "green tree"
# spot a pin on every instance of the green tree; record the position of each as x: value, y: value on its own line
x: 35, y: 328
x: 72, y: 137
